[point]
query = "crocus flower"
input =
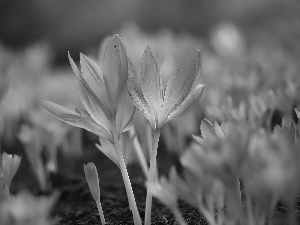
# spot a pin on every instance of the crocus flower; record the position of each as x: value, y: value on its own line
x: 33, y: 146
x: 8, y: 167
x: 159, y: 104
x: 103, y: 92
x: 25, y: 209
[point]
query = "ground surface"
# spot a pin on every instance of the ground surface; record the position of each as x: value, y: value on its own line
x: 76, y: 206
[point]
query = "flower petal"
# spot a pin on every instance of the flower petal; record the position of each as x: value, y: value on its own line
x: 92, y: 74
x: 94, y: 110
x: 136, y: 93
x: 207, y: 129
x: 87, y: 89
x: 218, y: 130
x: 115, y: 68
x: 187, y: 104
x: 151, y: 82
x: 297, y: 111
x: 75, y: 119
x: 182, y: 82
x: 200, y: 140
x: 125, y: 113
x: 9, y: 166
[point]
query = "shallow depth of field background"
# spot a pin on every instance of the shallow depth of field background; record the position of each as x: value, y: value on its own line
x: 249, y: 48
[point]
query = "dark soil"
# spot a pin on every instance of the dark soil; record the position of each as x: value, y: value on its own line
x: 75, y: 205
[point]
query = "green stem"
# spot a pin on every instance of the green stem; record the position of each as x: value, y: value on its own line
x: 130, y: 195
x: 151, y: 176
x: 100, y: 212
x: 140, y: 153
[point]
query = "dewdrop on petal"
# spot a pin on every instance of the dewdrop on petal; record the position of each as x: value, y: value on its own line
x: 91, y: 176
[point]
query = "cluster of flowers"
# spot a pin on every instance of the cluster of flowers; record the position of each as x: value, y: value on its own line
x: 235, y: 172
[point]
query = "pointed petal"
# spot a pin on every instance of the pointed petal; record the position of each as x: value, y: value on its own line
x: 125, y: 113
x: 187, y: 104
x: 115, y: 65
x: 207, y: 129
x: 151, y: 82
x: 92, y: 74
x: 200, y: 140
x: 183, y: 81
x: 87, y: 89
x: 108, y: 149
x: 297, y: 111
x: 94, y: 110
x: 73, y: 65
x: 75, y: 119
x: 136, y: 93
x: 218, y: 130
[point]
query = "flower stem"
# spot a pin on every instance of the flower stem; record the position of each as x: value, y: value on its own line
x: 139, y: 153
x: 126, y: 179
x: 100, y: 212
x: 151, y: 176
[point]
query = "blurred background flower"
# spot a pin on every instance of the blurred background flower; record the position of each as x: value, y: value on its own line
x: 251, y: 70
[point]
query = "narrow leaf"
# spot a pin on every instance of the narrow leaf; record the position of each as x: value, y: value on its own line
x: 75, y: 119
x: 91, y: 176
x: 108, y: 149
x: 94, y: 110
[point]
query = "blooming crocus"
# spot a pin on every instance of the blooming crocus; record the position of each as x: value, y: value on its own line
x: 271, y: 170
x: 8, y: 167
x: 103, y: 92
x: 220, y: 156
x: 161, y: 104
x: 91, y: 176
x: 33, y: 146
x: 25, y: 209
